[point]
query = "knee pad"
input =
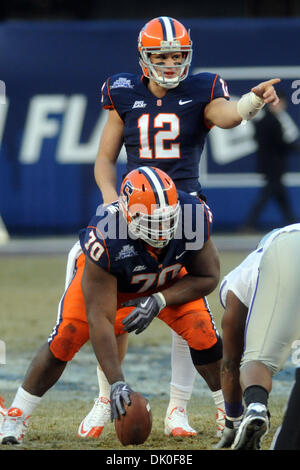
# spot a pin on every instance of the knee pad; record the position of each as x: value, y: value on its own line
x: 207, y: 356
x: 273, y: 368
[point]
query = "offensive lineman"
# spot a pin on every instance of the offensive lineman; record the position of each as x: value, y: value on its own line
x: 167, y: 236
x: 163, y: 118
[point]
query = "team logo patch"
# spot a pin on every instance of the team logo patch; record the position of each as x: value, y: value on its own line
x: 127, y: 252
x: 122, y: 82
x: 139, y: 104
x: 140, y: 268
x: 127, y: 190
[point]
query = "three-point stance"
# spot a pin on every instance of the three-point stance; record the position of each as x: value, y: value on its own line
x: 147, y: 255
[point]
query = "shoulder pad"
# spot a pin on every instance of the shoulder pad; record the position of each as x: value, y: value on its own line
x: 211, y: 85
x: 115, y: 87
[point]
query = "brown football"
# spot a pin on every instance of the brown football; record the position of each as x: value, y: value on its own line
x: 134, y: 427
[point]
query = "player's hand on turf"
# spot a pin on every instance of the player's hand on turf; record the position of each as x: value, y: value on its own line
x: 119, y: 394
x: 146, y: 308
x: 228, y: 434
x: 266, y: 91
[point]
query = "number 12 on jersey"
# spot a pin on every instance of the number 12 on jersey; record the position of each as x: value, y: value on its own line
x: 159, y: 150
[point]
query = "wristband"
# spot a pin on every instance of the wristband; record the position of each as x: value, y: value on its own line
x: 249, y: 105
x: 160, y: 300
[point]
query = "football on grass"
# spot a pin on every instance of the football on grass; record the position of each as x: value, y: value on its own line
x: 134, y: 427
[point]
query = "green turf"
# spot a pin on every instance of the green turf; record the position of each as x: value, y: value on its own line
x: 30, y: 289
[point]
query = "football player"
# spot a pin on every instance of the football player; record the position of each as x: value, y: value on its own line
x: 147, y: 255
x: 260, y: 324
x: 163, y: 117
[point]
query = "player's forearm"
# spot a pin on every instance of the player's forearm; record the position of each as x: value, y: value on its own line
x: 105, y: 346
x: 224, y: 115
x: 106, y: 179
x: 190, y: 288
x: 230, y: 118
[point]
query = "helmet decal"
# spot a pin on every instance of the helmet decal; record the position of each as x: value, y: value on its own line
x: 128, y: 190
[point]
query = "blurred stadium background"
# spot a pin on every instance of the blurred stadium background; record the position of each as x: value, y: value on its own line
x: 55, y: 56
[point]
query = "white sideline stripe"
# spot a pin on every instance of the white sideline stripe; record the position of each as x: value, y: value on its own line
x: 250, y: 73
x: 244, y: 180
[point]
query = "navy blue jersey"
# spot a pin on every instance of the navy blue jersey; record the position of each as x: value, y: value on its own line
x: 106, y: 243
x: 168, y: 133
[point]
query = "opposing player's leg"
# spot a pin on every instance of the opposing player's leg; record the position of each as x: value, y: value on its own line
x: 269, y: 335
x: 194, y: 323
x: 69, y: 334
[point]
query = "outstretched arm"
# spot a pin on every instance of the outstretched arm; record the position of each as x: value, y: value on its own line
x: 229, y: 114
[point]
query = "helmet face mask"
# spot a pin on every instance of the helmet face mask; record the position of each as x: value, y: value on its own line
x: 150, y: 216
x: 158, y: 228
x: 164, y: 35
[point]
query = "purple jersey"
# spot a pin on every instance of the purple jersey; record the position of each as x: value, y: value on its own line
x: 168, y: 133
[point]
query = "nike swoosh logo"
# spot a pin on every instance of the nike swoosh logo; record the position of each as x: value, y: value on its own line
x: 184, y: 102
x: 143, y: 305
x: 181, y: 254
x: 83, y: 432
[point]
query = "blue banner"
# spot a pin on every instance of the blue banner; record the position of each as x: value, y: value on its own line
x: 51, y: 119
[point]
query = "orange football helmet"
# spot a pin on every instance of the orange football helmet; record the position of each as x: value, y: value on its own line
x: 149, y: 203
x: 160, y: 36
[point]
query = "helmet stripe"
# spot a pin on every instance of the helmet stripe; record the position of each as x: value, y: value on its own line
x: 156, y: 184
x: 168, y: 28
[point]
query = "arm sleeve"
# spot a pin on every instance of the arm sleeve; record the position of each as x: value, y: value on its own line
x: 106, y: 100
x: 219, y: 88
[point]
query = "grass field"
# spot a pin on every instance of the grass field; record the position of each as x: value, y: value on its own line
x: 30, y: 289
